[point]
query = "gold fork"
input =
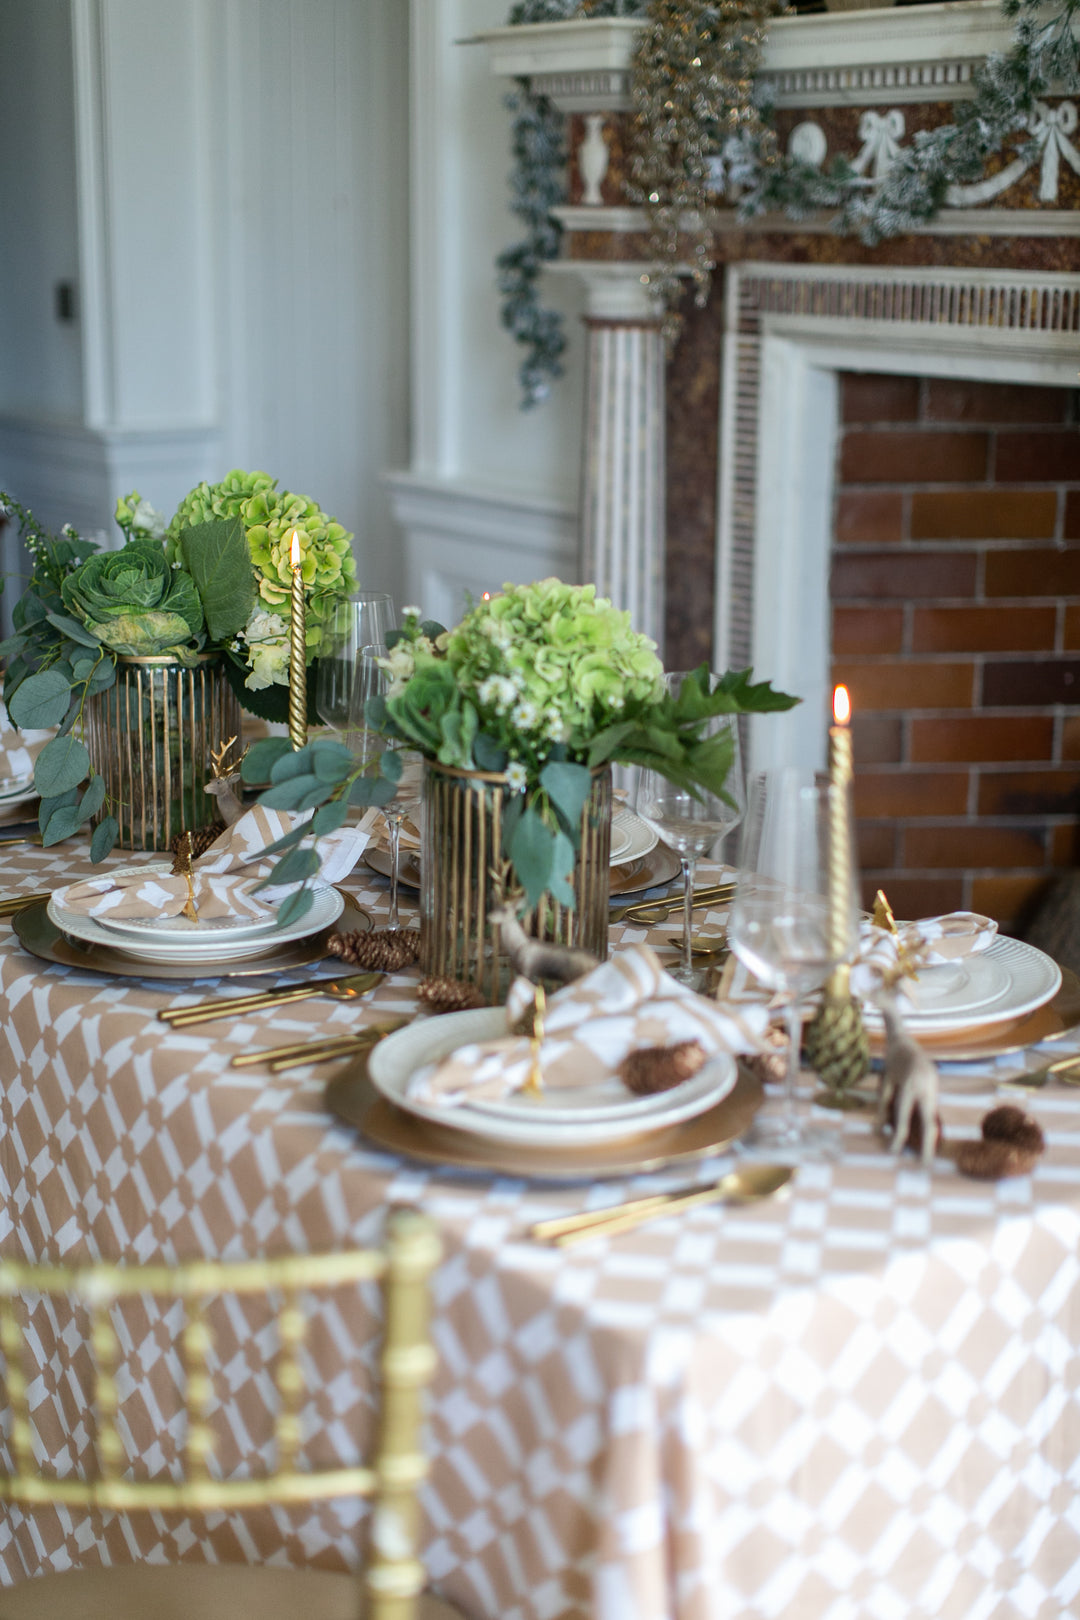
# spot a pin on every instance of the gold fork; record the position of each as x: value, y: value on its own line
x: 12, y: 903
x: 357, y: 984
x: 319, y: 1050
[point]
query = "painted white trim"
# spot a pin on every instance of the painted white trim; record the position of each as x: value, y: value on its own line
x: 95, y: 275
x: 464, y: 537
x: 432, y: 209
x: 615, y: 289
x: 953, y: 222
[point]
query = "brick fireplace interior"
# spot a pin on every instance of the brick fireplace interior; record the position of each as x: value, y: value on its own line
x: 956, y: 625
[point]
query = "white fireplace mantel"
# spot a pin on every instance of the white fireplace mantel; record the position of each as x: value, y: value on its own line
x: 903, y: 54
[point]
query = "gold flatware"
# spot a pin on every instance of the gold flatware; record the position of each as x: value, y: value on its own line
x: 12, y: 903
x: 22, y: 838
x: 746, y: 1184
x: 703, y: 944
x: 357, y: 984
x: 658, y: 911
x: 314, y: 1051
x: 1060, y: 1070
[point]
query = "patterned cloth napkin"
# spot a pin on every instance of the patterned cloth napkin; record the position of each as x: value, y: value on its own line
x: 589, y: 1028
x: 216, y: 874
x: 930, y: 942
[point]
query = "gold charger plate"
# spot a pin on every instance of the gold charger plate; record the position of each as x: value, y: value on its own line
x: 658, y: 866
x: 1055, y: 1018
x: 42, y: 938
x: 351, y: 1097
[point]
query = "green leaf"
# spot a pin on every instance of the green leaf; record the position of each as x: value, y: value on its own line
x: 391, y: 765
x: 40, y: 701
x: 369, y: 790
x: 293, y: 763
x: 301, y: 793
x: 61, y: 824
x: 330, y: 817
x: 105, y: 835
x: 216, y: 556
x: 487, y: 753
x: 332, y: 762
x: 261, y: 758
x: 295, y: 867
x: 561, y: 887
x: 742, y: 696
x: 532, y: 850
x: 72, y: 628
x: 287, y: 840
x: 295, y: 906
x: 12, y: 645
x: 103, y: 677
x: 47, y: 808
x: 60, y: 766
x: 568, y: 787
x: 92, y: 800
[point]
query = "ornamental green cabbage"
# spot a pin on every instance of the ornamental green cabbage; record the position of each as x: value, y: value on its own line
x: 134, y: 602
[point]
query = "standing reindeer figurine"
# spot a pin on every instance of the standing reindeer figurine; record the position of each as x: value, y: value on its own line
x: 536, y: 959
x: 909, y: 1081
x: 226, y: 780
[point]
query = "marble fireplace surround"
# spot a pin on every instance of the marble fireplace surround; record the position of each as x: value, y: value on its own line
x: 972, y: 295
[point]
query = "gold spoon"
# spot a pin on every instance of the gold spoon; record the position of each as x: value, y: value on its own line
x: 347, y: 989
x: 703, y: 944
x: 746, y: 1184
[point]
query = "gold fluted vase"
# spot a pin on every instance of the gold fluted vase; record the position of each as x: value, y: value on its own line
x: 150, y: 736
x: 462, y: 862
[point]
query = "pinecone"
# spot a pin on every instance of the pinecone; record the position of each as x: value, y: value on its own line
x: 442, y: 995
x: 1007, y: 1123
x: 835, y: 1044
x: 201, y: 838
x: 658, y: 1068
x: 1010, y: 1146
x: 387, y: 950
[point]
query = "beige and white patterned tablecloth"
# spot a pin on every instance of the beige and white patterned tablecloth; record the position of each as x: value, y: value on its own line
x: 860, y: 1402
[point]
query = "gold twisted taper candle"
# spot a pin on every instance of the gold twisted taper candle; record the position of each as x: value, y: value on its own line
x: 840, y: 774
x: 297, y: 651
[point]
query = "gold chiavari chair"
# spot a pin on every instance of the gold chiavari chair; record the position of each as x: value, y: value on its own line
x: 390, y: 1587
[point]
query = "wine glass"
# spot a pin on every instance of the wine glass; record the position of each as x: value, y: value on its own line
x: 344, y: 680
x: 692, y: 824
x: 782, y: 927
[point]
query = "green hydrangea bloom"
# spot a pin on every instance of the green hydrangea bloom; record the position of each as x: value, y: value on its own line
x: 269, y: 516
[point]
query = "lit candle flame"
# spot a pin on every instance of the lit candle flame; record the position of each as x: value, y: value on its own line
x: 486, y: 597
x: 294, y: 552
x: 841, y: 706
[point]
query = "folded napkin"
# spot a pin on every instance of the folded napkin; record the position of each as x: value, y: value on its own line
x: 589, y: 1028
x: 18, y: 749
x: 930, y: 942
x: 218, y: 893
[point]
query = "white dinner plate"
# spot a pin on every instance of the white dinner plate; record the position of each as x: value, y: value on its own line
x: 1003, y: 982
x: 601, y: 1113
x: 16, y: 790
x: 637, y: 838
x: 326, y: 909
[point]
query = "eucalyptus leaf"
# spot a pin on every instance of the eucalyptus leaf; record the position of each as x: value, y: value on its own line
x: 561, y: 885
x: 291, y: 764
x: 288, y: 840
x: 330, y: 817
x: 216, y: 556
x: 487, y: 754
x: 47, y: 808
x: 568, y: 787
x: 103, y: 677
x: 72, y: 628
x: 60, y: 766
x: 104, y: 837
x: 41, y: 701
x: 61, y: 824
x: 92, y: 800
x: 295, y: 794
x: 295, y: 906
x: 372, y: 790
x: 294, y: 867
x: 332, y: 761
x: 261, y: 758
x: 391, y: 765
x: 12, y: 645
x: 532, y: 850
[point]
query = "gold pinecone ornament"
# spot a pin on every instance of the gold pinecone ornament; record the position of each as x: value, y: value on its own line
x: 836, y: 1047
x: 386, y: 950
x: 438, y: 994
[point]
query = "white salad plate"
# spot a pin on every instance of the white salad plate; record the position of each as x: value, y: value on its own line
x: 194, y: 948
x: 636, y: 837
x: 600, y: 1113
x: 1006, y: 981
x: 16, y: 790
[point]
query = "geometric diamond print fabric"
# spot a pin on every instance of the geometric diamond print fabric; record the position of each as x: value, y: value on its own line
x: 861, y: 1402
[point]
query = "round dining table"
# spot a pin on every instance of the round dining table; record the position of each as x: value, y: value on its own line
x: 859, y: 1400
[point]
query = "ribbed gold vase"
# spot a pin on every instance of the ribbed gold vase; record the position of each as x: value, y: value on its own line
x: 150, y: 737
x: 462, y: 856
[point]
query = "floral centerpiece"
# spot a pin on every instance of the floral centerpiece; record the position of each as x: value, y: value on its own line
x: 210, y: 582
x: 540, y: 685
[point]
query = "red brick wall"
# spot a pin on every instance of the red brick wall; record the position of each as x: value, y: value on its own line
x: 956, y: 625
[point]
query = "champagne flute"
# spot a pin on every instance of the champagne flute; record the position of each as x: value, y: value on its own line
x: 356, y: 635
x: 781, y: 927
x: 692, y: 824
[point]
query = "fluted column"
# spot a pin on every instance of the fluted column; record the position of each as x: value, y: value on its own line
x: 622, y: 498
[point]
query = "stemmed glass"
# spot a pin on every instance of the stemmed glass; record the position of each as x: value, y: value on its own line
x: 780, y: 926
x: 691, y: 825
x: 356, y: 633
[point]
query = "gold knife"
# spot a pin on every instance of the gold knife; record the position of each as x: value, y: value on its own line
x: 303, y: 1050
x: 227, y: 1007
